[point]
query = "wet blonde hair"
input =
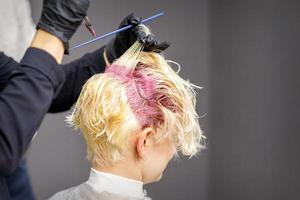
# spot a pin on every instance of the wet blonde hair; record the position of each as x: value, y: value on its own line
x: 138, y: 90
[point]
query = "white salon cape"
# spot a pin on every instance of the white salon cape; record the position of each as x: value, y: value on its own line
x: 16, y: 27
x: 104, y: 186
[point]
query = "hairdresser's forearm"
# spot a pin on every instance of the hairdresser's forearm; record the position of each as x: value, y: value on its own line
x: 43, y: 41
x: 23, y: 103
x: 49, y: 43
x: 77, y: 73
x: 7, y: 66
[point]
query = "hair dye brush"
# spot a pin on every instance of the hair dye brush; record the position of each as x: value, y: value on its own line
x: 116, y: 31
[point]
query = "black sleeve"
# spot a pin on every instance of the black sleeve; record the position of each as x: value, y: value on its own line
x: 23, y: 103
x: 7, y: 65
x: 77, y: 73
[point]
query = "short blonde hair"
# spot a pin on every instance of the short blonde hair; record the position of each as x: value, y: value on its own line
x: 139, y: 90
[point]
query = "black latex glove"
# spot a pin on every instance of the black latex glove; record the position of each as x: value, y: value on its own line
x: 62, y: 18
x: 117, y: 46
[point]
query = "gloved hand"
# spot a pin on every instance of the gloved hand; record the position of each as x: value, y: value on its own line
x: 117, y: 46
x: 62, y: 18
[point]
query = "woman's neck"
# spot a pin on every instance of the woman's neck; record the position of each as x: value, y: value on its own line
x: 121, y: 168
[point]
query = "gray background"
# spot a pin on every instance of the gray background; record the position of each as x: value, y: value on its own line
x: 246, y: 56
x: 255, y: 100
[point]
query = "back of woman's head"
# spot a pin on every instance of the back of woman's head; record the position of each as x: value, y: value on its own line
x: 138, y: 90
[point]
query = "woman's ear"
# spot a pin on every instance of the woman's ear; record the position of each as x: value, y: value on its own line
x: 144, y: 140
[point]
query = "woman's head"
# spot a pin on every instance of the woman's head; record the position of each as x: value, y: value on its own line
x: 139, y: 106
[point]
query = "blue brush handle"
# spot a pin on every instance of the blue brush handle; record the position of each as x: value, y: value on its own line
x: 116, y: 31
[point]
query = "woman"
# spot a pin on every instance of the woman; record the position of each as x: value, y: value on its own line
x: 134, y: 118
